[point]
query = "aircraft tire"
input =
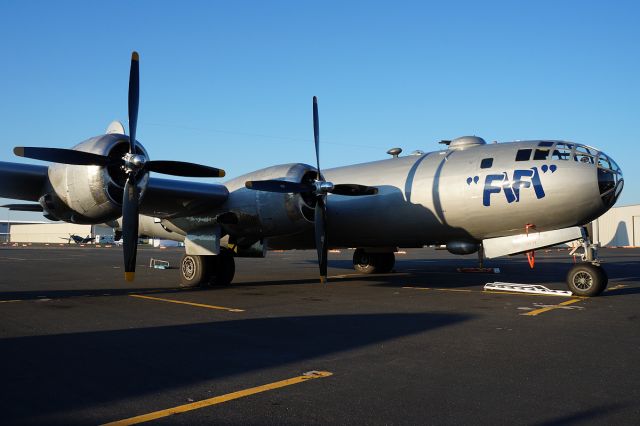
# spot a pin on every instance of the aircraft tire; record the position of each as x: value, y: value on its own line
x: 194, y: 270
x: 587, y: 280
x: 364, y: 262
x: 386, y: 262
x: 222, y: 268
x: 373, y: 263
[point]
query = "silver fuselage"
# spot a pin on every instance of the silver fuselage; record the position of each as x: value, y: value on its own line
x: 446, y: 196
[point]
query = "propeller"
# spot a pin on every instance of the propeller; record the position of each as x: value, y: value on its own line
x: 319, y: 188
x: 135, y: 166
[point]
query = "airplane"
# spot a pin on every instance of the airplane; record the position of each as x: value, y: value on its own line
x: 495, y: 199
x: 78, y: 239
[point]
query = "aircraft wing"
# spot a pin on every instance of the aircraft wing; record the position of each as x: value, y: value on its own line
x: 174, y: 198
x: 22, y: 181
x: 163, y: 197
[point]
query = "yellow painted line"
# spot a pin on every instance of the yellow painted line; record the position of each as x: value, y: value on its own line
x: 616, y: 287
x: 460, y: 290
x: 10, y: 301
x: 396, y: 274
x: 180, y: 302
x: 220, y: 399
x: 550, y: 308
x: 345, y: 276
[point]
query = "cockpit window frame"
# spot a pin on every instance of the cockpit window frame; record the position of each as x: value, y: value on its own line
x: 521, y: 153
x: 562, y: 151
x: 541, y: 154
x: 584, y: 154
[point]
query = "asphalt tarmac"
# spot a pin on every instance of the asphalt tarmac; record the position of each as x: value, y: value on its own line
x: 422, y: 345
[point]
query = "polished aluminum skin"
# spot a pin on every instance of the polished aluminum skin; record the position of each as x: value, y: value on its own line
x: 459, y: 196
x: 438, y: 197
x: 89, y: 194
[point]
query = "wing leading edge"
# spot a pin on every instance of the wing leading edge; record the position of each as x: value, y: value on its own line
x: 163, y: 197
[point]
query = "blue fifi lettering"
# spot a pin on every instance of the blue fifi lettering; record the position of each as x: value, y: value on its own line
x: 523, y: 178
x: 489, y: 188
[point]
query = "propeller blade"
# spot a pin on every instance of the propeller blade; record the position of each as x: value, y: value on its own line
x: 352, y: 189
x: 130, y: 227
x: 134, y: 97
x: 316, y: 132
x: 181, y: 168
x: 275, y: 185
x: 322, y: 248
x: 61, y: 155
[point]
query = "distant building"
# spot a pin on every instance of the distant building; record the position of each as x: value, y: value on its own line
x: 619, y: 227
x: 5, y: 227
x: 4, y: 232
x: 51, y: 232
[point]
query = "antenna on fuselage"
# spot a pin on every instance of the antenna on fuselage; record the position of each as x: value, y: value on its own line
x: 394, y: 152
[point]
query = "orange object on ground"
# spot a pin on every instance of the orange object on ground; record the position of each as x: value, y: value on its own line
x: 531, y: 257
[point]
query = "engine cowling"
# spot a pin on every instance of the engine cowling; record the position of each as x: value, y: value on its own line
x: 91, y: 194
x: 264, y: 214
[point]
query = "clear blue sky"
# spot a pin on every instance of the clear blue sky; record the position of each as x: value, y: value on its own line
x: 229, y: 84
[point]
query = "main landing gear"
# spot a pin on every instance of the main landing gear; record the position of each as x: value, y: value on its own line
x: 207, y: 270
x: 373, y: 263
x: 588, y: 278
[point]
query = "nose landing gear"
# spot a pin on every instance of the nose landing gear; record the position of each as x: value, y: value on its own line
x: 588, y: 278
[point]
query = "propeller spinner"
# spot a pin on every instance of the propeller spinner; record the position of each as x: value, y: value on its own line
x: 135, y: 166
x: 319, y: 188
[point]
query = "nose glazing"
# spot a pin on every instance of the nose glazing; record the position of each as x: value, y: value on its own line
x: 610, y: 181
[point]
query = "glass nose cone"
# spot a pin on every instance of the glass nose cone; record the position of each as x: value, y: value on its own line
x: 610, y: 181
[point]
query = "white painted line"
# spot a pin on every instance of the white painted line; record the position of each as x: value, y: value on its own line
x: 526, y: 288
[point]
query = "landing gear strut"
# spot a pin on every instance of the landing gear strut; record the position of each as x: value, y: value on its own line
x: 373, y: 263
x: 207, y: 270
x: 588, y: 278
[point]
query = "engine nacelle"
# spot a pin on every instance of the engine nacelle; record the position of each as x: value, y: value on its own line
x: 263, y: 214
x: 90, y: 194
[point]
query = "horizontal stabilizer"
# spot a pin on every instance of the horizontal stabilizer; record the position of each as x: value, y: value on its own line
x: 24, y: 207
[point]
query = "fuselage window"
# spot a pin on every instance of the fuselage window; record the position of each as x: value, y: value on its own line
x: 562, y: 151
x: 583, y: 155
x: 486, y: 163
x: 545, y: 143
x: 541, y: 154
x: 523, y: 155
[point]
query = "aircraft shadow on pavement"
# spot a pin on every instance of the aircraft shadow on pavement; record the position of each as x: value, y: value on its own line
x: 443, y: 273
x: 586, y: 415
x: 407, y: 272
x: 53, y: 375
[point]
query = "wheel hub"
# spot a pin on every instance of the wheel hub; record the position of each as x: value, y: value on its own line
x: 364, y: 260
x: 188, y: 268
x: 583, y: 280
